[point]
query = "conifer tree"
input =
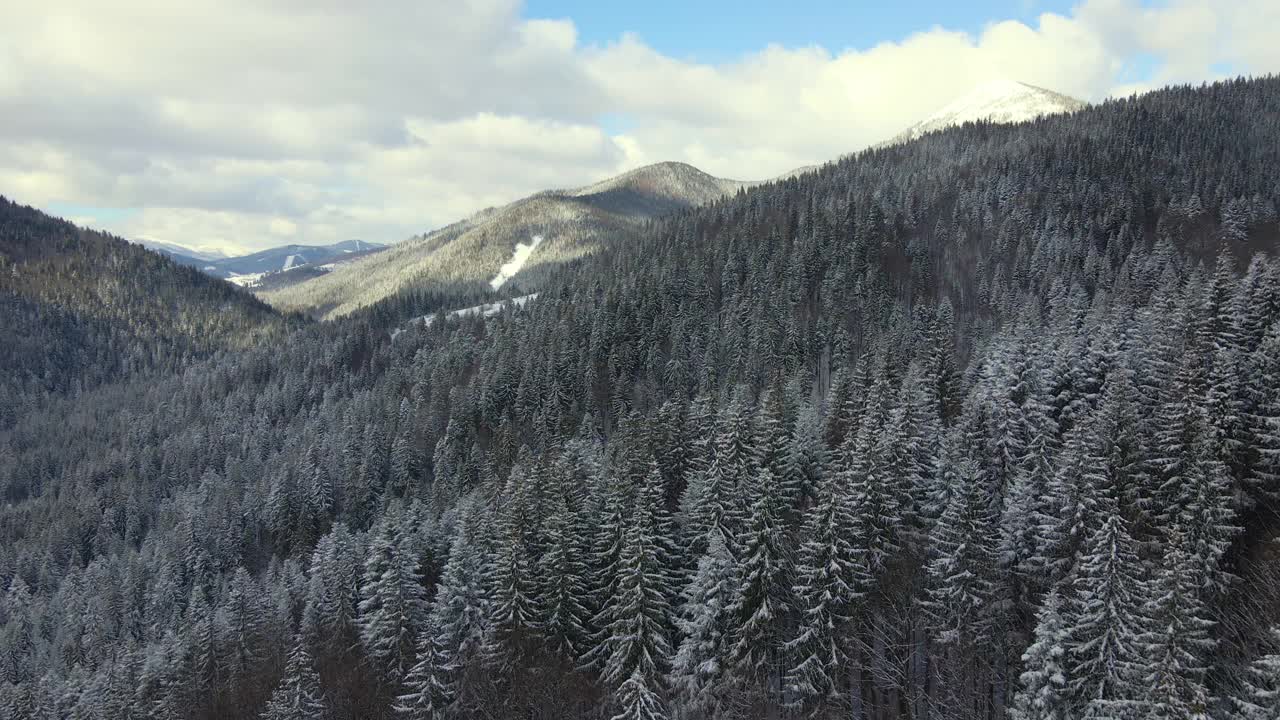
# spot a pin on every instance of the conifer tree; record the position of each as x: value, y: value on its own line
x: 1105, y: 621
x: 826, y: 590
x: 393, y: 601
x: 298, y: 696
x: 1260, y: 699
x: 634, y: 647
x: 700, y: 673
x: 1044, y: 686
x: 1176, y: 642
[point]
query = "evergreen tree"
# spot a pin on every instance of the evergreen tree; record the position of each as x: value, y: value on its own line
x: 1044, y: 692
x: 393, y: 601
x: 700, y: 675
x: 1105, y: 622
x: 298, y: 697
x: 635, y: 649
x: 1260, y: 699
x: 1177, y: 641
x: 826, y: 590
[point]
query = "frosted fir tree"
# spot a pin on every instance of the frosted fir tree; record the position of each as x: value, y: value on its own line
x: 562, y: 585
x: 764, y: 584
x: 456, y: 628
x: 737, y: 441
x: 959, y: 591
x: 1177, y: 640
x: 1106, y: 622
x: 298, y: 696
x: 826, y: 585
x: 428, y: 684
x: 706, y: 508
x: 638, y: 700
x: 802, y: 465
x: 393, y: 601
x: 700, y: 673
x: 511, y: 574
x: 1044, y: 691
x: 634, y: 646
x: 1073, y: 501
x: 1260, y: 696
x: 1263, y: 418
x: 871, y: 484
x: 329, y: 617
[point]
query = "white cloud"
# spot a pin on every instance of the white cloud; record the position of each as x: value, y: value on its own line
x: 240, y: 124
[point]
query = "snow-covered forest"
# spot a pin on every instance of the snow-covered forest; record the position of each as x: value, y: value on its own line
x: 985, y: 425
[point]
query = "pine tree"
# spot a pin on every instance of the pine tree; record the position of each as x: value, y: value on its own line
x: 1044, y: 692
x: 634, y: 648
x: 1073, y: 505
x: 393, y: 601
x: 562, y: 584
x: 298, y: 696
x: 826, y: 590
x: 802, y: 464
x: 512, y: 580
x: 873, y: 489
x: 1263, y: 418
x: 960, y: 591
x: 428, y: 693
x: 455, y: 631
x: 1260, y: 699
x: 1105, y: 621
x: 763, y: 598
x: 700, y: 673
x: 1177, y: 641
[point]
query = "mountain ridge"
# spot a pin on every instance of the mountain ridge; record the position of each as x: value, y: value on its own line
x: 469, y: 253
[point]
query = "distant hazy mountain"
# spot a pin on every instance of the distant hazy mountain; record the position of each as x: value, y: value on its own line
x: 247, y: 269
x: 180, y: 252
x: 515, y: 243
x: 253, y: 270
x: 999, y: 101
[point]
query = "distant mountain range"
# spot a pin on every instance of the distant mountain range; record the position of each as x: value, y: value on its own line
x: 252, y: 269
x: 517, y: 243
x: 183, y: 254
x: 499, y: 246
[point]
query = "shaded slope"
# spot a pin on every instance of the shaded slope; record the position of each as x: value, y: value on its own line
x: 81, y: 307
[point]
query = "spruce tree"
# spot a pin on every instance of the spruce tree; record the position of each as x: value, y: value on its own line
x: 1044, y: 686
x: 827, y: 582
x: 1260, y: 696
x: 634, y: 643
x: 1105, y: 622
x: 298, y: 696
x: 700, y: 673
x: 393, y: 600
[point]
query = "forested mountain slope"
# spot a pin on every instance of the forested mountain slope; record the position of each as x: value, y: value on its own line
x: 465, y: 256
x: 78, y: 308
x: 984, y: 425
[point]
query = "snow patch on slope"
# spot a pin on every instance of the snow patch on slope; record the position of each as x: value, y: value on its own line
x: 517, y: 261
x: 289, y: 261
x: 485, y: 310
x: 246, y: 280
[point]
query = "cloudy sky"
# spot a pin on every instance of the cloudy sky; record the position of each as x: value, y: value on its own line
x: 241, y: 124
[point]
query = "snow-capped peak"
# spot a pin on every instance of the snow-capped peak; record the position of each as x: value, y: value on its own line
x: 999, y: 101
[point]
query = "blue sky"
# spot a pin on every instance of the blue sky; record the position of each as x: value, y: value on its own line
x: 714, y: 31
